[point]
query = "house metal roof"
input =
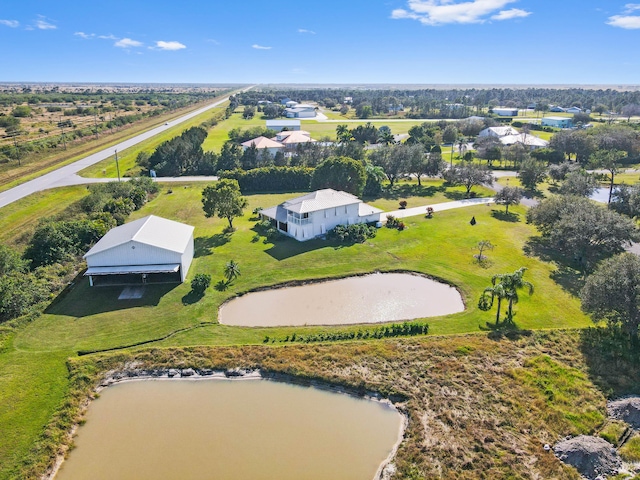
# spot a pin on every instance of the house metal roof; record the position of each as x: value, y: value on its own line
x: 528, y: 140
x: 151, y: 230
x: 320, y: 200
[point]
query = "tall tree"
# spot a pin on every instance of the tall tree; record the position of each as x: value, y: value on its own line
x: 224, y: 199
x: 532, y: 172
x: 579, y: 183
x: 468, y: 174
x: 608, y: 160
x: 580, y: 230
x: 612, y: 293
x: 340, y: 173
x: 508, y: 196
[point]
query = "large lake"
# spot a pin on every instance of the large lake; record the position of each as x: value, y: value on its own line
x: 381, y: 297
x: 230, y: 430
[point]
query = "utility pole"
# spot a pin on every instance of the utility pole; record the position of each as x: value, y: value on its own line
x: 117, y: 166
x: 95, y: 123
x: 61, y: 125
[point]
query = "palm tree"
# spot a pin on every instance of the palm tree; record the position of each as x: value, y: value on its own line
x: 343, y: 133
x: 386, y: 137
x: 231, y: 271
x: 513, y: 282
x: 489, y: 295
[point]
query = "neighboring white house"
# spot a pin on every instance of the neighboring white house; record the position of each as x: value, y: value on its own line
x: 556, y: 109
x: 557, y: 122
x: 301, y: 110
x: 526, y: 139
x: 498, y: 132
x: 262, y: 143
x: 574, y: 110
x: 279, y: 125
x: 311, y: 215
x: 506, y: 111
x: 149, y: 250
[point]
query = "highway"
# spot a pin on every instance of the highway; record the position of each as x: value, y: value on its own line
x: 64, y: 175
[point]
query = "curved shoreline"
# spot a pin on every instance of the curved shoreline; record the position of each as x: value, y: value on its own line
x: 321, y: 280
x: 237, y: 374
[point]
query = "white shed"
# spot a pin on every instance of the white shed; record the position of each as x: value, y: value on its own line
x: 149, y: 250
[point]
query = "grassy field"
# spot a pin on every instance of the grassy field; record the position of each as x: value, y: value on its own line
x: 53, y: 160
x: 34, y: 380
x: 18, y: 219
x: 127, y: 158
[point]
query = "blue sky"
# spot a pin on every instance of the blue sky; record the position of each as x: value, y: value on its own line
x: 322, y: 41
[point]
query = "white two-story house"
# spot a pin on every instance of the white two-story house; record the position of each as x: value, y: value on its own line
x: 311, y: 215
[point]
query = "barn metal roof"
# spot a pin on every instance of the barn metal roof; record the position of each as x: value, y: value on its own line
x: 151, y: 230
x: 124, y: 269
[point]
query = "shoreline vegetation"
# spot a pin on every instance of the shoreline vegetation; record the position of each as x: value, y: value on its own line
x: 474, y: 403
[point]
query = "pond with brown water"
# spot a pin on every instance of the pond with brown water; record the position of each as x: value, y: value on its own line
x: 379, y: 297
x: 230, y: 429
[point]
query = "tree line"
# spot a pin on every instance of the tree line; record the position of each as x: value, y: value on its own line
x: 53, y: 250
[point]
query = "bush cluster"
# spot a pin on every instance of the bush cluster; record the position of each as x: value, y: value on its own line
x: 393, y: 222
x: 357, y: 233
x: 405, y: 329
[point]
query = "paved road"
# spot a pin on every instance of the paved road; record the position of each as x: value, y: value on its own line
x: 74, y: 179
x: 62, y: 176
x: 437, y: 207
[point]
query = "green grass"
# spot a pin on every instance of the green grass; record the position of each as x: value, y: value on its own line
x: 33, y: 376
x: 431, y: 191
x: 220, y: 133
x: 630, y: 452
x: 127, y: 158
x: 94, y: 318
x: 19, y: 218
x: 613, y: 431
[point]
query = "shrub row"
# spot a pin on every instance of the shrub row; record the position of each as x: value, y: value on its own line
x: 405, y: 329
x: 271, y: 179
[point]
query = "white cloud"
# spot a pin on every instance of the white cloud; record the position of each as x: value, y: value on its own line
x: 304, y: 30
x: 630, y: 22
x: 631, y: 7
x: 260, y: 47
x: 42, y: 24
x: 169, y: 45
x: 127, y: 43
x: 108, y: 37
x: 86, y: 36
x: 10, y: 23
x: 509, y: 14
x: 442, y: 12
x: 212, y: 40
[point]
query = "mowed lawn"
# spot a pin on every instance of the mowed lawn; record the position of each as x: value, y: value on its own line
x: 442, y: 246
x: 33, y: 376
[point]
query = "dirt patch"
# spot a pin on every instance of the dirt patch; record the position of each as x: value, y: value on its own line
x: 626, y: 409
x: 591, y: 456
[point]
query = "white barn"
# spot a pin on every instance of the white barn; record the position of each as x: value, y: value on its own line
x: 311, y: 215
x: 149, y: 250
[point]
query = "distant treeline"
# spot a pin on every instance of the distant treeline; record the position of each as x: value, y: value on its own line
x: 448, y: 103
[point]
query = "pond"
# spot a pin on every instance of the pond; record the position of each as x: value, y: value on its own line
x: 230, y: 429
x: 379, y: 297
x: 601, y: 195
